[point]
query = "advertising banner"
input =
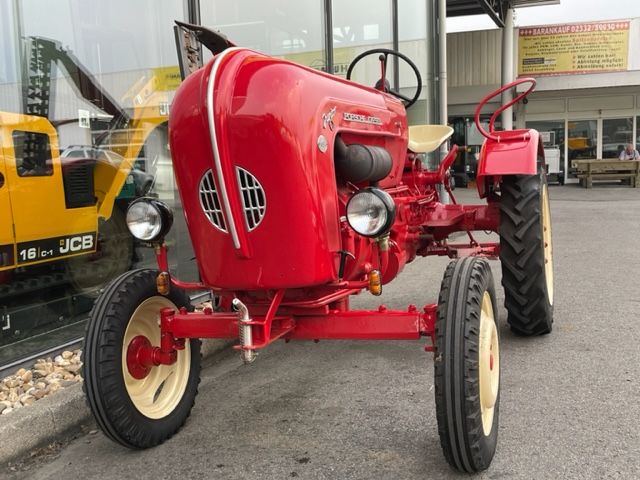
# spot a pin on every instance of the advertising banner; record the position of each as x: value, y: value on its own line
x: 168, y: 78
x: 573, y: 48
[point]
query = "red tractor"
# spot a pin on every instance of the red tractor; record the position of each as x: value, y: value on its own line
x: 301, y: 189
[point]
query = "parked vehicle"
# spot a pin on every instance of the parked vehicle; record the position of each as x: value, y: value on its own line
x: 555, y: 171
x: 63, y: 209
x: 137, y: 184
x: 301, y: 189
x: 73, y: 191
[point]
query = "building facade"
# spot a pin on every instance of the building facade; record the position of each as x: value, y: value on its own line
x: 85, y: 93
x: 588, y: 101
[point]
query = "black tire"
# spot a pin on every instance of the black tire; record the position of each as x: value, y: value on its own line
x: 462, y: 180
x: 467, y: 436
x: 527, y: 259
x: 107, y: 386
x: 88, y: 273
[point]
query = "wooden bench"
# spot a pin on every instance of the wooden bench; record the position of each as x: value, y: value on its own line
x: 589, y: 170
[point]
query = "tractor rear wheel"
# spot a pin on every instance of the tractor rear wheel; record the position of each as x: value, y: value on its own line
x: 526, y: 253
x: 138, y: 410
x: 467, y: 365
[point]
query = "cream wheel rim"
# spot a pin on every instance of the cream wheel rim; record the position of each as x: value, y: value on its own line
x: 548, y: 246
x: 156, y: 395
x: 489, y: 361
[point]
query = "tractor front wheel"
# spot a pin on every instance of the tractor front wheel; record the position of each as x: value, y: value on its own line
x: 526, y: 253
x: 467, y: 365
x: 137, y: 405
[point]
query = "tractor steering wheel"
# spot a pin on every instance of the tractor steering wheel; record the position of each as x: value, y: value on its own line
x: 382, y: 84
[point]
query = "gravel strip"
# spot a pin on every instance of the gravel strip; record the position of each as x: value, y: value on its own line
x: 52, y: 391
x: 45, y: 377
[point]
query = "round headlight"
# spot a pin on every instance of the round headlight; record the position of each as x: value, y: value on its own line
x: 148, y: 220
x: 371, y: 212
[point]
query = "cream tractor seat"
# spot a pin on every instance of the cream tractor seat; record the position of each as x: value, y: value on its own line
x: 427, y: 138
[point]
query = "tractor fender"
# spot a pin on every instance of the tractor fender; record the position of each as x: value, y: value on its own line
x: 512, y: 152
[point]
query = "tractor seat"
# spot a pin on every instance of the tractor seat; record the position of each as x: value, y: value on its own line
x: 426, y: 138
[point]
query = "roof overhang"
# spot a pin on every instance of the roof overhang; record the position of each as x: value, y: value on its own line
x: 533, y: 3
x: 496, y: 9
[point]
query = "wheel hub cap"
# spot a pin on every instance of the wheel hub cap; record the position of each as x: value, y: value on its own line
x: 154, y: 391
x: 137, y: 368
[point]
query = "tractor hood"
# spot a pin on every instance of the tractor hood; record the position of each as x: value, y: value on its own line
x: 252, y: 141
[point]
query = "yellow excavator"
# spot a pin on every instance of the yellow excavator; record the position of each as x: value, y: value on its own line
x: 61, y: 213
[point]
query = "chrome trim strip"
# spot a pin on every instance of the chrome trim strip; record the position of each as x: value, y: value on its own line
x: 214, y: 146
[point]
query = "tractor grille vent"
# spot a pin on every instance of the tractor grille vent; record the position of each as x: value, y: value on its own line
x: 254, y: 202
x: 210, y: 201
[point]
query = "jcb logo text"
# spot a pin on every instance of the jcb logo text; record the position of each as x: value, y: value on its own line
x: 76, y: 244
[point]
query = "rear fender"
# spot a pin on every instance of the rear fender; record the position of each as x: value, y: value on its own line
x: 515, y: 152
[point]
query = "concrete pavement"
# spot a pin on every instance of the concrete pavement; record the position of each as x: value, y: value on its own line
x: 365, y: 410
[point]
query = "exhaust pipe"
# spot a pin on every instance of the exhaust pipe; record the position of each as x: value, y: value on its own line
x: 246, y: 340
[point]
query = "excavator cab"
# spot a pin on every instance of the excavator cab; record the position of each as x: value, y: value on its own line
x: 34, y: 197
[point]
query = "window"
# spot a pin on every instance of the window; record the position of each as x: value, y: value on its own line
x: 412, y: 37
x: 361, y: 22
x: 583, y: 139
x: 285, y: 28
x: 616, y: 133
x: 361, y: 25
x: 33, y: 154
x: 552, y: 134
x: 102, y: 74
